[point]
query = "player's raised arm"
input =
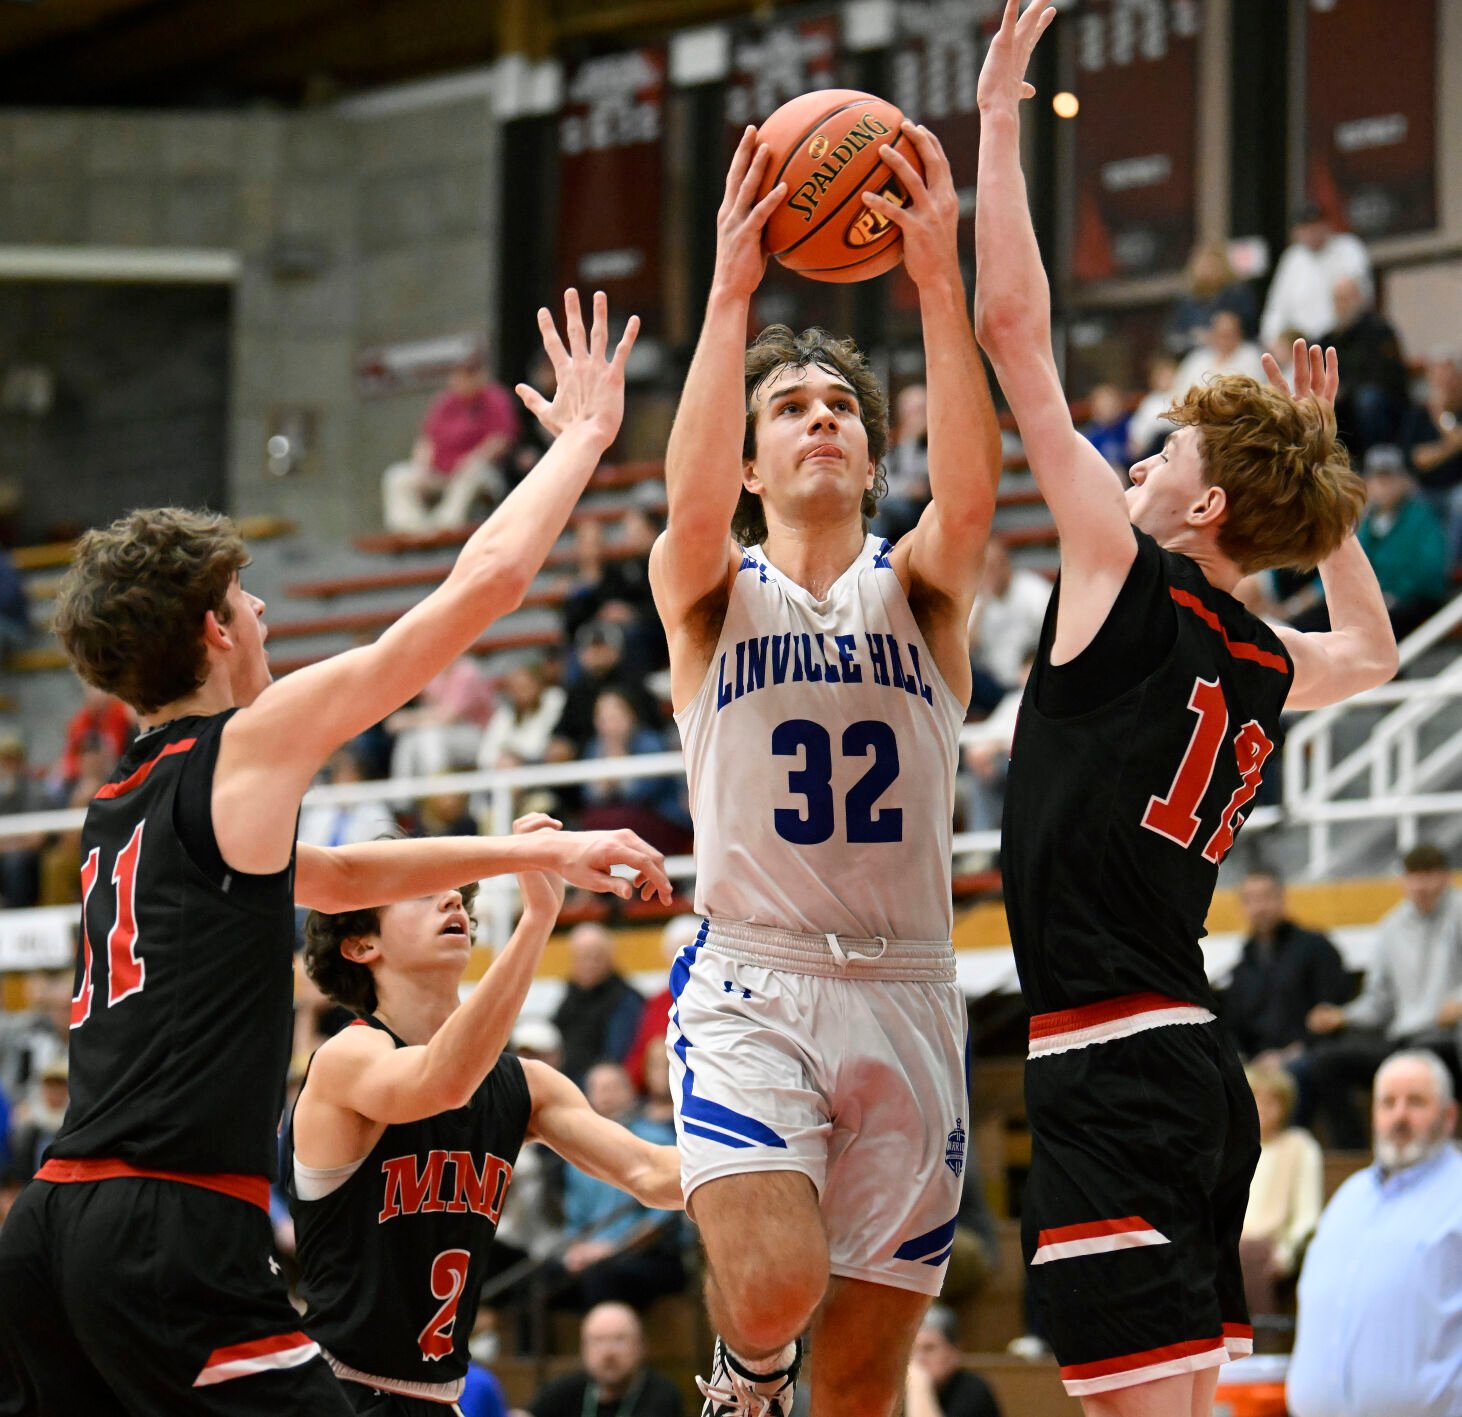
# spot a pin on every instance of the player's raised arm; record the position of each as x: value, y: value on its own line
x: 563, y: 1120
x: 1013, y: 324
x: 946, y: 551
x: 374, y: 873
x: 360, y: 1070
x: 703, y: 457
x: 273, y: 748
x: 1359, y: 650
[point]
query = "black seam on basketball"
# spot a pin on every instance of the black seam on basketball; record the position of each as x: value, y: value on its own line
x: 874, y: 255
x: 833, y: 211
x: 797, y: 146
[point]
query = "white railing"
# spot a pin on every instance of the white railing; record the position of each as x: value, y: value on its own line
x: 1389, y: 776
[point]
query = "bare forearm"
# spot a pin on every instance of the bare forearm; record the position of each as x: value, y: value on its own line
x: 654, y: 1180
x: 467, y: 1046
x: 374, y: 873
x: 1012, y: 297
x: 1357, y: 607
x: 964, y: 435
x: 703, y: 456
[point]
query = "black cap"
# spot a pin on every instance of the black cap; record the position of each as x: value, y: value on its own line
x: 1307, y: 212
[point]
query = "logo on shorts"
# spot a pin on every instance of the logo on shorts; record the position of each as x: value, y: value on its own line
x: 954, y: 1147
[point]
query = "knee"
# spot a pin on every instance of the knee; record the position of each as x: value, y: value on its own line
x: 773, y: 1302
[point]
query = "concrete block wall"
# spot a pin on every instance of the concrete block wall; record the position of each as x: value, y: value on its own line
x: 352, y: 230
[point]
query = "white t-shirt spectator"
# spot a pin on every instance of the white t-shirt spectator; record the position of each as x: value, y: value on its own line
x: 524, y: 738
x: 1199, y: 364
x: 1300, y: 296
x: 1004, y: 630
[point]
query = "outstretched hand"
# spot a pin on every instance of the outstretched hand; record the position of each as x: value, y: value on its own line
x: 542, y: 891
x: 1316, y: 374
x: 1002, y: 76
x: 929, y: 215
x: 587, y: 859
x: 589, y: 391
x: 740, y: 259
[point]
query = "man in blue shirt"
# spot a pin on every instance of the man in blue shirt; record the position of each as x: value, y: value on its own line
x: 1380, y: 1298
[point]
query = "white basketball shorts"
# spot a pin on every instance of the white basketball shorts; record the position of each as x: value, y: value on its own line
x: 856, y: 1082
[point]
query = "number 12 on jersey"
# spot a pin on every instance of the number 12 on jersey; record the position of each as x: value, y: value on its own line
x: 1175, y: 815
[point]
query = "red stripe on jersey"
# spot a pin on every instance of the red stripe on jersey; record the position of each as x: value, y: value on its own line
x: 1238, y: 648
x: 1130, y: 1362
x: 1090, y: 1229
x: 129, y: 784
x: 1108, y: 1011
x: 67, y: 1171
x: 257, y: 1348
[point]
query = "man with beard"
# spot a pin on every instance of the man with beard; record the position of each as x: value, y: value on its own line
x: 1380, y: 1305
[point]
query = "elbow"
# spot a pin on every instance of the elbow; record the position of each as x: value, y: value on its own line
x: 1000, y: 319
x: 501, y: 578
x: 1388, y: 661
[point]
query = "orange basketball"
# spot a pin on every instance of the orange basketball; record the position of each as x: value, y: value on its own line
x: 827, y: 147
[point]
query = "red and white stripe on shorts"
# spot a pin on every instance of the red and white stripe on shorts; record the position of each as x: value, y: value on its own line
x: 1084, y: 1379
x: 1112, y: 1018
x: 1095, y: 1237
x: 282, y: 1350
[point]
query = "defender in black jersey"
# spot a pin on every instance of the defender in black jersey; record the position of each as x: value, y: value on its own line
x: 137, y: 1273
x: 1149, y: 718
x: 402, y: 1142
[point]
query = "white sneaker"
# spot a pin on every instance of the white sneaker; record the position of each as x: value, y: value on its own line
x: 734, y: 1392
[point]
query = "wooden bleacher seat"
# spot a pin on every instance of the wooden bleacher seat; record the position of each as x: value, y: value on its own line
x: 489, y: 644
x: 1340, y: 1166
x: 370, y: 621
x: 1023, y: 1388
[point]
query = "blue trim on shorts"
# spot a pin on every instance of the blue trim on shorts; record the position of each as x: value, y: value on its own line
x: 936, y: 1244
x: 698, y: 1115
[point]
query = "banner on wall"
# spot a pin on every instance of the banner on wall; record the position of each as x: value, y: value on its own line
x: 1370, y: 114
x: 610, y: 178
x: 1135, y: 158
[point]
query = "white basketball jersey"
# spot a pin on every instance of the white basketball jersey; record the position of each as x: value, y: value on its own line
x: 821, y: 751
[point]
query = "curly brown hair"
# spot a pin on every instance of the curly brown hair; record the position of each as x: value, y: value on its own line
x: 1292, y: 494
x: 341, y: 979
x: 778, y: 347
x: 130, y: 610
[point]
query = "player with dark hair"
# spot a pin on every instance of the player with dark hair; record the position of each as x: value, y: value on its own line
x: 820, y: 677
x: 401, y: 1145
x: 1151, y: 711
x: 137, y: 1273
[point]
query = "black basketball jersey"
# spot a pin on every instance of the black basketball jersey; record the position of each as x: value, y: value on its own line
x: 391, y: 1257
x: 1119, y: 808
x: 184, y: 987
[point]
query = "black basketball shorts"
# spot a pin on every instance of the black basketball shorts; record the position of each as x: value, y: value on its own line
x: 146, y: 1296
x: 1144, y: 1138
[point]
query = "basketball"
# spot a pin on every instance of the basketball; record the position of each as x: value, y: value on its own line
x: 826, y: 146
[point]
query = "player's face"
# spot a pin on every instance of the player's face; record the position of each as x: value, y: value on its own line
x: 1168, y: 487
x: 811, y: 445
x: 249, y: 665
x: 428, y: 932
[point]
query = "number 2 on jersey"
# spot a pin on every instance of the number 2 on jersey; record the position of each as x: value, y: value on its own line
x: 126, y: 973
x: 813, y: 780
x: 1175, y: 815
x: 448, y: 1279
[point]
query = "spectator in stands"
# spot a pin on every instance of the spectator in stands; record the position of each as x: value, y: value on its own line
x: 1224, y: 351
x: 622, y: 1251
x: 987, y: 760
x: 441, y: 730
x: 652, y: 806
x: 20, y: 856
x: 938, y: 1383
x: 680, y: 931
x: 1412, y: 997
x: 1285, y: 1195
x: 1283, y: 972
x: 34, y: 1037
x: 94, y: 758
x: 1404, y: 542
x: 906, y: 465
x: 522, y: 725
x: 1302, y: 293
x: 344, y: 823
x: 597, y: 664
x: 467, y: 432
x: 1373, y: 378
x: 1431, y: 434
x: 33, y: 1124
x: 102, y: 724
x: 1148, y: 426
x: 15, y: 626
x: 1005, y: 624
x: 614, y: 589
x: 1107, y: 428
x: 600, y: 1011
x: 482, y: 1393
x: 614, y: 1380
x: 443, y: 814
x: 1213, y: 285
x: 1380, y: 1298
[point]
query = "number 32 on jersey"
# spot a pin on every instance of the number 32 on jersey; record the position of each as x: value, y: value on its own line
x: 1175, y: 815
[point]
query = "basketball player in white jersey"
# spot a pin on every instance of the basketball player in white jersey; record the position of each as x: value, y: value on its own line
x: 819, y: 678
